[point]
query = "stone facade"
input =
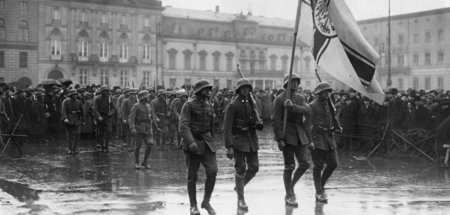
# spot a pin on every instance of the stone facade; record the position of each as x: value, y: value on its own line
x: 19, y: 41
x: 126, y: 43
x: 420, y: 48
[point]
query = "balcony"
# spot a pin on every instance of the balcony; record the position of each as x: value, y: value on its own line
x: 403, y: 70
x: 56, y: 57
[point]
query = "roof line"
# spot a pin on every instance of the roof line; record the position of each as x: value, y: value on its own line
x: 405, y: 16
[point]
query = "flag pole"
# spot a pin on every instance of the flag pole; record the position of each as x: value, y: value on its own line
x: 288, y: 89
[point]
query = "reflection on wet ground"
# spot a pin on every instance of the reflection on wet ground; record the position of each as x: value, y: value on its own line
x: 47, y: 181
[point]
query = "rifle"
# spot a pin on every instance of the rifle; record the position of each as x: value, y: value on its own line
x: 336, y: 124
x: 255, y: 108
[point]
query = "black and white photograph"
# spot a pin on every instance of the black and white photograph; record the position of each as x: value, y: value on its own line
x: 232, y: 107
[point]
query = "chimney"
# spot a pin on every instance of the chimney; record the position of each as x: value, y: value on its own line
x: 217, y: 9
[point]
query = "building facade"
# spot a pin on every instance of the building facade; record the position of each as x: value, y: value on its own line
x: 420, y: 49
x: 137, y: 42
x: 19, y: 42
x: 210, y: 44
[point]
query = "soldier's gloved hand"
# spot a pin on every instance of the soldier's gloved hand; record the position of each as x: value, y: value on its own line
x: 288, y: 103
x: 259, y: 125
x: 193, y: 147
x: 100, y: 118
x: 230, y: 153
x: 311, y: 146
x: 133, y: 131
x: 281, y: 145
x: 66, y: 121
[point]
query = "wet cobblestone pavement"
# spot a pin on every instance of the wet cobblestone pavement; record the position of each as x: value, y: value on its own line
x: 47, y: 181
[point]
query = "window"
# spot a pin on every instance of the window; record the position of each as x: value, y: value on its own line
x: 400, y: 39
x: 83, y: 48
x: 83, y: 76
x: 104, y: 51
x: 187, y: 82
x: 23, y: 59
x: 262, y: 65
x: 56, y: 48
x: 440, y: 59
x: 146, y: 78
x: 147, y: 23
x: 296, y: 64
x: 427, y: 37
x: 427, y: 83
x: 104, y: 77
x: 146, y: 53
x: 415, y: 59
x: 2, y: 29
x: 2, y: 4
x: 229, y: 83
x: 124, y: 21
x: 83, y: 17
x: 307, y: 64
x: 440, y: 82
x: 416, y: 83
x: 187, y: 59
x: 172, y: 58
x: 284, y: 63
x: 24, y: 6
x: 377, y: 41
x: 400, y: 83
x: 268, y: 84
x: 273, y: 62
x: 216, y: 61
x: 104, y: 19
x: 229, y: 61
x: 216, y: 83
x: 56, y: 15
x: 440, y: 35
x: 400, y: 60
x: 416, y: 38
x: 2, y: 59
x: 427, y: 59
x: 172, y: 82
x: 123, y: 52
x: 202, y: 55
x: 124, y: 77
x: 23, y: 31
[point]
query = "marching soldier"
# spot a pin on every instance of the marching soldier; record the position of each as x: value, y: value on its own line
x: 196, y: 127
x: 124, y: 113
x: 73, y: 117
x: 104, y: 111
x: 159, y: 112
x: 240, y: 138
x: 140, y: 123
x: 177, y: 104
x: 323, y: 145
x: 297, y: 135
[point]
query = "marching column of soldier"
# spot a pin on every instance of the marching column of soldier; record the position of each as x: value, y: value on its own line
x: 193, y: 117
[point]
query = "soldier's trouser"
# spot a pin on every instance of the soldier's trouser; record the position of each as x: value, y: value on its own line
x: 139, y: 139
x: 320, y: 157
x: 208, y: 160
x: 173, y: 131
x: 129, y: 137
x: 246, y: 165
x: 72, y: 136
x: 104, y: 132
x: 291, y: 152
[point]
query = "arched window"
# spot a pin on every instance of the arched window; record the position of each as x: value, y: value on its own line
x: 55, y: 44
x: 216, y: 60
x: 273, y: 62
x: 187, y: 59
x: 123, y: 48
x: 172, y: 58
x: 146, y: 52
x: 104, y: 46
x: 23, y: 31
x: 83, y: 45
x: 202, y: 55
x: 2, y: 29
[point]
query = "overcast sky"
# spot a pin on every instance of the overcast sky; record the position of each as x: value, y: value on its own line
x: 362, y: 9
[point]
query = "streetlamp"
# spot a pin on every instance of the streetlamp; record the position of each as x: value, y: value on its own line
x: 389, y: 80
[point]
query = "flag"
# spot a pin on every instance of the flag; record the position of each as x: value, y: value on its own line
x: 338, y: 46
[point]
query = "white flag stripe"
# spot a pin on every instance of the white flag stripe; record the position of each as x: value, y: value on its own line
x: 359, y: 57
